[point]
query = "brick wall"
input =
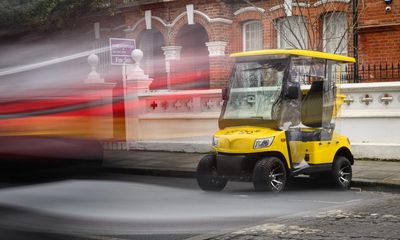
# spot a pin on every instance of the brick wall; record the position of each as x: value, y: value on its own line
x: 379, y: 33
x: 380, y: 45
x: 373, y: 13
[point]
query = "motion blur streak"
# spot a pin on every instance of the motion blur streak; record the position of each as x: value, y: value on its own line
x: 48, y: 111
x: 73, y: 116
x: 18, y: 69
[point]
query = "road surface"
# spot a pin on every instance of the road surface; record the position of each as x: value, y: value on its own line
x: 123, y: 206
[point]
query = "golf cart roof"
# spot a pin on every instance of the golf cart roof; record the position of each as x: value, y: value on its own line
x: 281, y: 53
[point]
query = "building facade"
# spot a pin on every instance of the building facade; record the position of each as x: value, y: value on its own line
x: 379, y: 33
x: 187, y: 43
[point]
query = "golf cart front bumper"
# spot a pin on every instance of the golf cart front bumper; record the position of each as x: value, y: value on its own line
x: 233, y: 166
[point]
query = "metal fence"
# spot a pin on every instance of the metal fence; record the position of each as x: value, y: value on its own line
x: 384, y: 72
x: 101, y: 49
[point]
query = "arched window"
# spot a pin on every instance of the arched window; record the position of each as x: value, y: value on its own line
x: 335, y: 33
x: 292, y: 32
x: 252, y: 35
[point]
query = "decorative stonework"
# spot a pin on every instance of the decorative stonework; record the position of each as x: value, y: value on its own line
x: 213, y: 20
x: 249, y: 9
x: 367, y: 99
x: 189, y: 104
x: 330, y: 1
x: 183, y: 14
x: 147, y: 19
x: 386, y: 99
x: 153, y: 105
x: 164, y: 105
x: 136, y: 72
x: 211, y: 104
x: 277, y: 7
x: 170, y: 32
x: 93, y: 76
x: 157, y: 105
x: 135, y: 77
x: 216, y: 48
x: 190, y: 14
x: 172, y: 52
x: 178, y: 104
x: 348, y: 100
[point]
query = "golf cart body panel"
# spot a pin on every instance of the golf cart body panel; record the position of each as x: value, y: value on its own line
x: 241, y: 140
x: 279, y: 112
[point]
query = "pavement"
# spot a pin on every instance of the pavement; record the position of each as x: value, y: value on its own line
x: 383, y: 175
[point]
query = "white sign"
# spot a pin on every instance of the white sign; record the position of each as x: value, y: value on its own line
x: 120, y: 50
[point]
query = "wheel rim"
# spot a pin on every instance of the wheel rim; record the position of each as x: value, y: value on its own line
x: 344, y: 174
x: 276, y: 177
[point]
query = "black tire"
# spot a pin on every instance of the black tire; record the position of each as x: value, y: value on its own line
x: 342, y: 172
x: 207, y: 176
x: 269, y: 175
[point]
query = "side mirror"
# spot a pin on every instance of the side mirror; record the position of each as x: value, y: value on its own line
x: 292, y: 92
x: 225, y: 94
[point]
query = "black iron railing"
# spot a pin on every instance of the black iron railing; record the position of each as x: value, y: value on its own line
x: 384, y: 72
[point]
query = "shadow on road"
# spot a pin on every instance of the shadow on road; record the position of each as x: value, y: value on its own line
x: 30, y: 176
x: 26, y: 174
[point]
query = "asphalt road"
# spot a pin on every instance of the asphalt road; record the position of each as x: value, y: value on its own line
x: 123, y: 206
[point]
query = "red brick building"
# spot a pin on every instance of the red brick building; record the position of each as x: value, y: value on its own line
x: 379, y: 33
x: 186, y: 43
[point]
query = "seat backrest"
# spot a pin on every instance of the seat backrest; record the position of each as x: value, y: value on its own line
x: 312, y: 106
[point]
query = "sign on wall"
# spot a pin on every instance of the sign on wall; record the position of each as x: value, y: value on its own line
x: 120, y: 50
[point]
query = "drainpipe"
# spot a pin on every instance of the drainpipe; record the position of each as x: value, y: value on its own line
x: 355, y: 38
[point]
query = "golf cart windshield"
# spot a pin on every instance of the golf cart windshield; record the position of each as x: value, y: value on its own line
x: 255, y: 89
x: 266, y: 92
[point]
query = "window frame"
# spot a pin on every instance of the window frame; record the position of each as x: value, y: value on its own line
x: 345, y: 51
x: 280, y: 24
x: 244, y: 25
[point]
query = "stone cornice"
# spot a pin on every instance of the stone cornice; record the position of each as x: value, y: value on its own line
x: 183, y: 14
x: 249, y: 9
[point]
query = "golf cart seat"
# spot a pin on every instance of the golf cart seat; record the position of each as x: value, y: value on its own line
x: 311, y: 107
x: 311, y: 114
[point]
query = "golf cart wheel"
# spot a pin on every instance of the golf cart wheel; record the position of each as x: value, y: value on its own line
x: 342, y: 172
x: 207, y: 176
x: 269, y: 175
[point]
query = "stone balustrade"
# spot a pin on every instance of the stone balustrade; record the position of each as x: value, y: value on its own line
x: 370, y: 117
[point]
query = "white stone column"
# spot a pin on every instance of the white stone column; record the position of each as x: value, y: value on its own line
x: 216, y: 48
x: 96, y: 89
x: 171, y: 53
x: 135, y: 77
x: 136, y: 82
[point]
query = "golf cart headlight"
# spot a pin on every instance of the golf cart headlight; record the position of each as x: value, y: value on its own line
x: 263, y: 142
x: 215, y: 141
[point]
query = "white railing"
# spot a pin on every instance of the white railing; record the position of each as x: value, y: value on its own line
x: 370, y: 117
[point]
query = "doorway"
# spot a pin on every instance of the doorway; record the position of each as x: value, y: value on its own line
x: 194, y: 66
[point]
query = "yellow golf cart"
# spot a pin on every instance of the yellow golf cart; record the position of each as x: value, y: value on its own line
x: 277, y: 121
